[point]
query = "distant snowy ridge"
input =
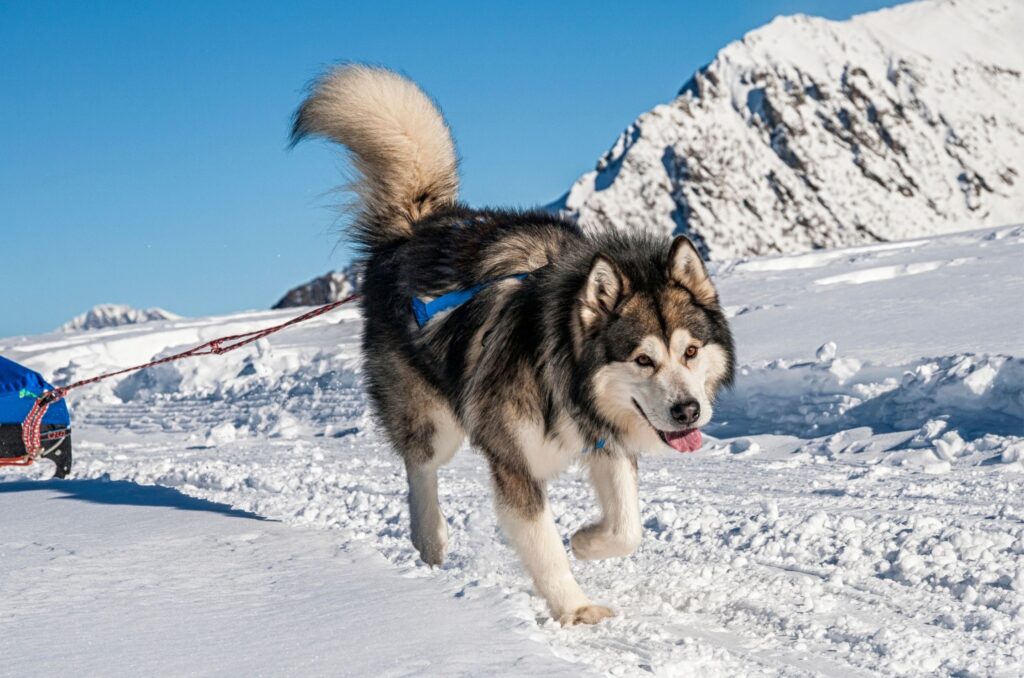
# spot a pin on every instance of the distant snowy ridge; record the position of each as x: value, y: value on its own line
x: 810, y: 133
x: 333, y: 286
x: 115, y: 315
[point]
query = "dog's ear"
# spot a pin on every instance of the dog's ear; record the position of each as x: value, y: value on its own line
x: 604, y: 288
x: 686, y: 267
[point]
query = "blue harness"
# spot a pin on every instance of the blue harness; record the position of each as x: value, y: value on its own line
x: 423, y: 311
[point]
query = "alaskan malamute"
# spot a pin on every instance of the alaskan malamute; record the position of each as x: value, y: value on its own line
x: 545, y: 343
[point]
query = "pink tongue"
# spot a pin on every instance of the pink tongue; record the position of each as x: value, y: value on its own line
x: 684, y: 441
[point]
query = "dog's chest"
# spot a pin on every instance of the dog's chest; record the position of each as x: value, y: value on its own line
x: 549, y: 453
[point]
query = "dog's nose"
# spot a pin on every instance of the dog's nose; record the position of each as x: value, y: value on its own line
x: 685, y: 412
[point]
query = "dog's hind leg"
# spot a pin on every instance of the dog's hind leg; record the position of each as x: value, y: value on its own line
x: 614, y: 477
x: 423, y: 430
x: 525, y: 516
x: 428, y: 526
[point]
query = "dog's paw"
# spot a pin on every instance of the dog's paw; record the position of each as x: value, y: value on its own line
x: 588, y: 614
x: 596, y: 543
x: 432, y: 554
x: 432, y: 547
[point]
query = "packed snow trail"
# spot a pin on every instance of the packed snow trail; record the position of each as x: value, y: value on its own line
x: 152, y: 582
x: 856, y: 511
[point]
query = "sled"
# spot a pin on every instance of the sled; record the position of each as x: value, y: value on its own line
x: 19, y: 389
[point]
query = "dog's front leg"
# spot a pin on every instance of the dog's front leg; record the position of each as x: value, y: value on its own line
x: 614, y: 477
x: 525, y: 516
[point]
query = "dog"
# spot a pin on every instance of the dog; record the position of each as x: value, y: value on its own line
x: 543, y: 343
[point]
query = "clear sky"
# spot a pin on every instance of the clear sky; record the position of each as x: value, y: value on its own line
x: 143, y: 145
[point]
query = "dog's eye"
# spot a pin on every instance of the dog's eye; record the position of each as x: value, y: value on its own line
x: 691, y: 351
x: 644, y: 361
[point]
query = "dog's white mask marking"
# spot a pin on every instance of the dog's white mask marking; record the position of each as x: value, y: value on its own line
x: 639, y: 399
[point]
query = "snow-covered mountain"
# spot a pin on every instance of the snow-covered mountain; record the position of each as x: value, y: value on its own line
x: 810, y: 133
x: 114, y: 315
x: 329, y: 287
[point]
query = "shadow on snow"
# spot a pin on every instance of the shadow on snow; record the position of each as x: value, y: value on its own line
x: 123, y: 493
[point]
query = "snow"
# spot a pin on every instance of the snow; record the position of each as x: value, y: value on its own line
x: 810, y: 133
x: 128, y: 592
x: 856, y: 509
x: 114, y: 315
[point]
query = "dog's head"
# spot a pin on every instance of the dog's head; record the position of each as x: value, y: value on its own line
x: 655, y: 343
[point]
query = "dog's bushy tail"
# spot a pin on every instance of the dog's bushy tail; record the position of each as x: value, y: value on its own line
x: 401, y: 147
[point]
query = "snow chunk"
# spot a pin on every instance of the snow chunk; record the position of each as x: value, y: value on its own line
x: 221, y: 435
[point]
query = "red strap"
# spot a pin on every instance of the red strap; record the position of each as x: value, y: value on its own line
x: 31, y: 427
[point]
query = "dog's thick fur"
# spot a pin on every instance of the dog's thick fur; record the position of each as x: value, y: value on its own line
x: 613, y: 336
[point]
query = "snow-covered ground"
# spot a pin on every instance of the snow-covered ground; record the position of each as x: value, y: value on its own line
x: 856, y: 510
x: 111, y: 578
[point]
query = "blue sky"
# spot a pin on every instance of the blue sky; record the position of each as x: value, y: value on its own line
x: 143, y: 153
